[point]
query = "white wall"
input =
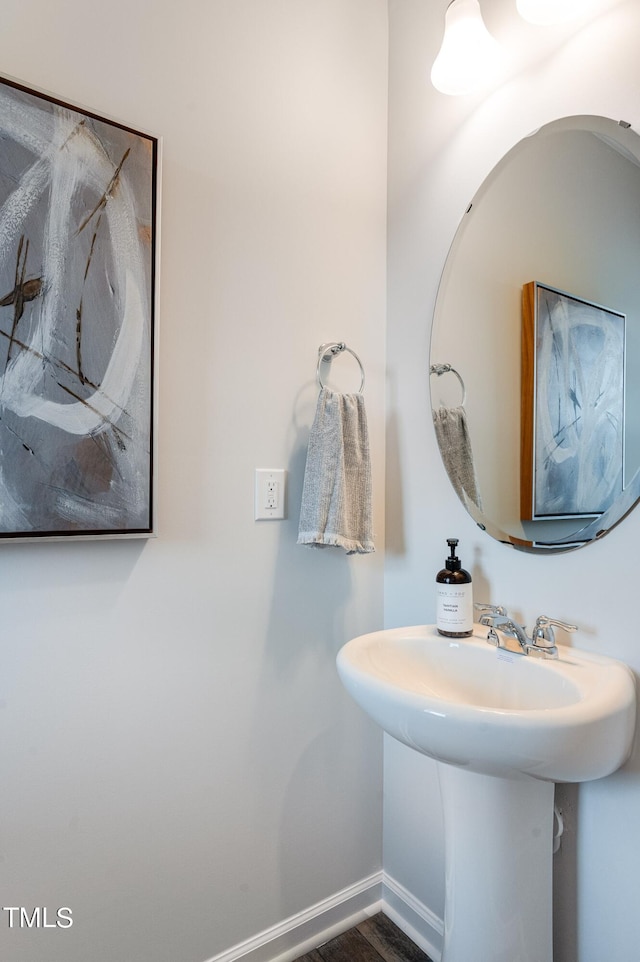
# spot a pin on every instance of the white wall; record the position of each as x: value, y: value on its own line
x: 441, y: 149
x: 179, y: 762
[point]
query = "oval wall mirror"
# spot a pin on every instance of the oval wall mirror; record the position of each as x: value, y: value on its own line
x: 535, y: 348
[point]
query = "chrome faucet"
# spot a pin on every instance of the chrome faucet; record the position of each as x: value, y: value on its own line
x: 506, y: 634
x: 503, y: 630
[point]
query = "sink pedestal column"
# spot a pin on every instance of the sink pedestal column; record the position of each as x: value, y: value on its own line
x: 498, y: 856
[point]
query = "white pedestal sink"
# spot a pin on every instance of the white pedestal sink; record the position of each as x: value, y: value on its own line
x: 504, y: 727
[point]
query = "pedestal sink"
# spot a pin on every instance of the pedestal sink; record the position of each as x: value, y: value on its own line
x: 504, y: 727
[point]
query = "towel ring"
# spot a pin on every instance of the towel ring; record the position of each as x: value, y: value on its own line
x: 327, y: 352
x: 440, y: 369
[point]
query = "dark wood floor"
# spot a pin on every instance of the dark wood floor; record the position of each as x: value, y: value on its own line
x: 375, y: 940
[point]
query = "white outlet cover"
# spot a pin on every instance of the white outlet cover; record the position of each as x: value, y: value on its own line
x: 270, y: 494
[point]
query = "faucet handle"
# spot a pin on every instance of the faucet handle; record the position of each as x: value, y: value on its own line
x: 492, y: 609
x: 543, y: 635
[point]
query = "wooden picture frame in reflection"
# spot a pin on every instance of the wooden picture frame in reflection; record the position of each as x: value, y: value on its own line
x: 572, y: 405
x: 78, y: 221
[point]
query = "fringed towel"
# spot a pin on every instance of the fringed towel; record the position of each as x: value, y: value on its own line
x: 336, y: 496
x: 452, y: 433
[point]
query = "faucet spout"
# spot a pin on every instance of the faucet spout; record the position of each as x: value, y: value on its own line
x: 506, y: 633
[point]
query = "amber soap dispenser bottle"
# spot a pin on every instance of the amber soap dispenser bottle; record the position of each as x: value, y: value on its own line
x: 454, y: 597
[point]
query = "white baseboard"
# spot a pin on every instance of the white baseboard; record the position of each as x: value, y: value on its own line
x: 414, y: 918
x: 301, y: 933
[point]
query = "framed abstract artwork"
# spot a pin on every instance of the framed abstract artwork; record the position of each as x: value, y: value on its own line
x: 572, y: 410
x: 78, y: 248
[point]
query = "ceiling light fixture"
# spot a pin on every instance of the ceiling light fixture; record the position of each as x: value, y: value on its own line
x: 469, y: 56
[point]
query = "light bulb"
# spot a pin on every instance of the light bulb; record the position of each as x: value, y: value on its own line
x: 545, y: 12
x: 469, y: 56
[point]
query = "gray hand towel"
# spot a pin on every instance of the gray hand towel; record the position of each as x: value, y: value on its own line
x: 336, y: 496
x: 452, y: 432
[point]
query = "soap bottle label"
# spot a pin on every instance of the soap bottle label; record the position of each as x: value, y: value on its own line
x: 454, y: 607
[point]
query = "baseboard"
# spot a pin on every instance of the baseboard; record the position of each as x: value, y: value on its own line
x: 303, y: 932
x: 414, y: 918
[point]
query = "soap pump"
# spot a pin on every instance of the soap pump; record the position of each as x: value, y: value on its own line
x: 454, y: 597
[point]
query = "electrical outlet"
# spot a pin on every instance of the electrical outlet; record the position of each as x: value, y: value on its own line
x: 270, y: 492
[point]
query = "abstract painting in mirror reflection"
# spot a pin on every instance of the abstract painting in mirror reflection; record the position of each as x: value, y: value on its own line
x: 77, y: 256
x: 573, y: 363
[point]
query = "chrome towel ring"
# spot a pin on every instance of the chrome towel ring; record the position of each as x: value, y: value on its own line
x: 440, y: 369
x: 327, y: 352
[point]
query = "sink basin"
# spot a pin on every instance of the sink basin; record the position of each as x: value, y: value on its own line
x: 466, y: 703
